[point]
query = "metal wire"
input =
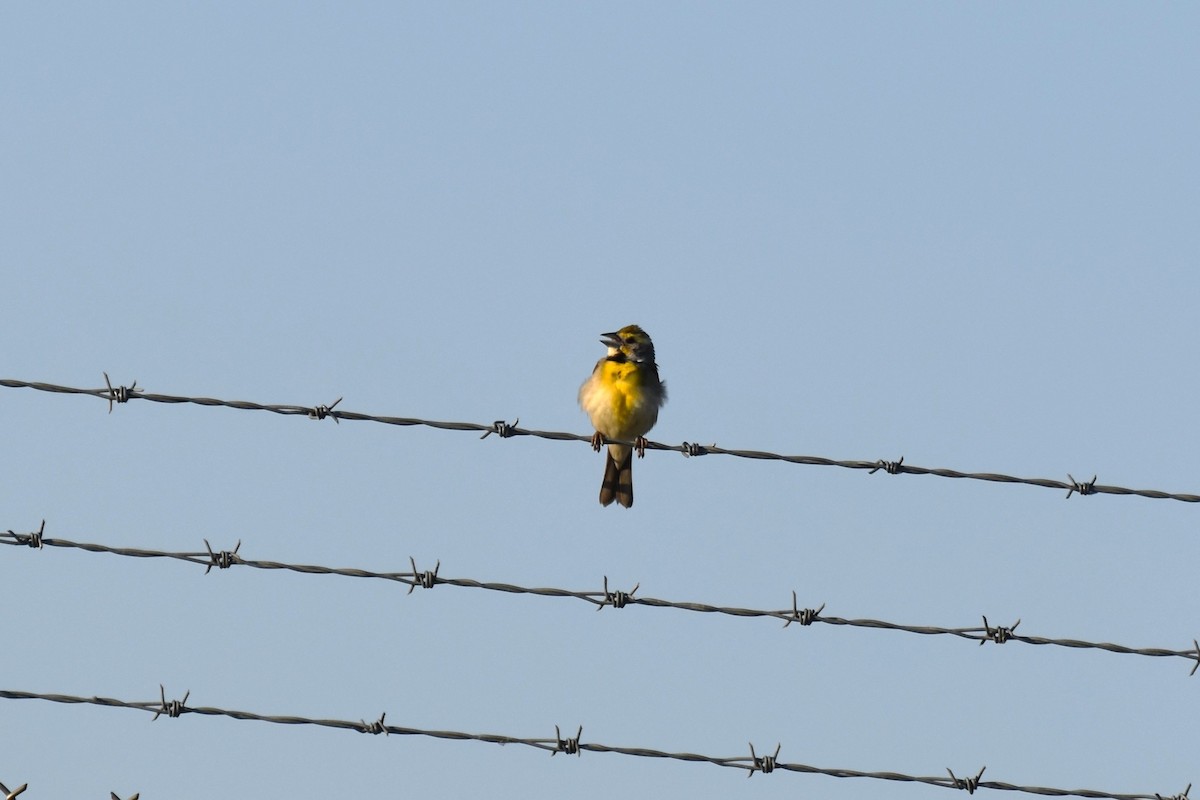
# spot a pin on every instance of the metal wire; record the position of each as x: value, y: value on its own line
x: 616, y: 598
x: 11, y: 795
x: 573, y: 745
x: 123, y: 394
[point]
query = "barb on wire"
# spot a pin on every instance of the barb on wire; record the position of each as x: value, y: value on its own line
x: 619, y: 598
x: 222, y: 560
x: 124, y: 394
x: 377, y: 727
x: 764, y: 764
x: 570, y: 745
x: 999, y: 634
x: 427, y: 579
x: 121, y: 394
x: 1086, y: 488
x: 321, y: 412
x: 10, y: 795
x: 1183, y: 796
x: 573, y: 746
x: 501, y: 429
x: 969, y: 784
x: 890, y: 467
x: 806, y: 617
x: 33, y: 539
x: 172, y: 708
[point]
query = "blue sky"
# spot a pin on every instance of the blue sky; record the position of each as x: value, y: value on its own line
x: 961, y: 233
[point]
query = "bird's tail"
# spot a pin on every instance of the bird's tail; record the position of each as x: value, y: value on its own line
x: 618, y: 476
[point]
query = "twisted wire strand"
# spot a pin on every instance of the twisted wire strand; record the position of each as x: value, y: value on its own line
x: 574, y: 745
x: 427, y: 579
x: 123, y: 394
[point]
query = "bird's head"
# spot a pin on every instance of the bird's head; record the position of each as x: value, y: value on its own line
x: 631, y: 342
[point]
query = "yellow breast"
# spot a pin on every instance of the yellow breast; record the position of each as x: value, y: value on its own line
x: 618, y: 400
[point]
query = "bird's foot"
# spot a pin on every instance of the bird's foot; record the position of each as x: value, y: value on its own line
x: 597, y: 441
x: 639, y: 444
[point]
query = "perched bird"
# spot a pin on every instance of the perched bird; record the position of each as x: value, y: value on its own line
x: 622, y: 398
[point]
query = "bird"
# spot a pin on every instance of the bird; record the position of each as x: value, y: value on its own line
x: 622, y: 398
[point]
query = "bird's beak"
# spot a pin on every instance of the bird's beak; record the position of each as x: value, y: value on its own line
x: 611, y: 340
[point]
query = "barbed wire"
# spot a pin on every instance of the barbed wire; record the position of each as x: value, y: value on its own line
x: 20, y: 789
x: 574, y: 745
x: 123, y: 394
x: 11, y: 795
x: 616, y: 598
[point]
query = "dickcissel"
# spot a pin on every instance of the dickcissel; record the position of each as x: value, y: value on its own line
x: 622, y: 398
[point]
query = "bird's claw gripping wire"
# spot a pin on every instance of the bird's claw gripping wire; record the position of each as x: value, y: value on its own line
x: 639, y: 444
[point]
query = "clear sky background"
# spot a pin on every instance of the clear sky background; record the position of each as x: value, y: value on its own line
x: 965, y: 234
